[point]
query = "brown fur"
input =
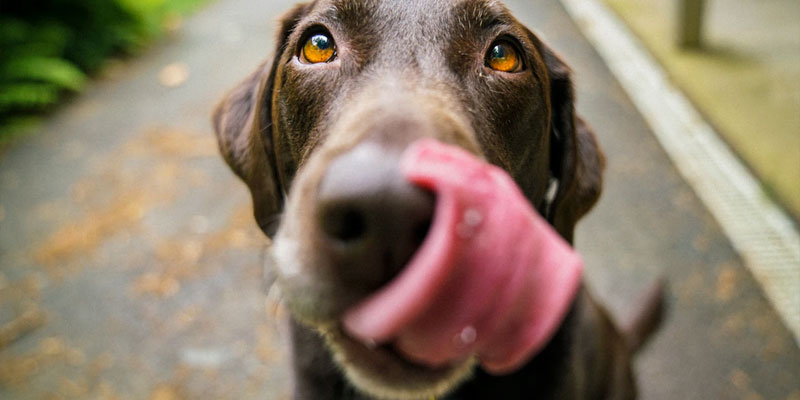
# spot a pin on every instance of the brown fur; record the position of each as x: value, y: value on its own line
x: 406, y: 70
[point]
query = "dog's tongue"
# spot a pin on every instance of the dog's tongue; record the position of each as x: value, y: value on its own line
x: 492, y: 278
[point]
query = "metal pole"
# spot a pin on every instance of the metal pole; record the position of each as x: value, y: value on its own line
x: 690, y: 20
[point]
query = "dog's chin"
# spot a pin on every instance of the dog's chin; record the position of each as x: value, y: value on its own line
x: 381, y: 372
x: 378, y: 371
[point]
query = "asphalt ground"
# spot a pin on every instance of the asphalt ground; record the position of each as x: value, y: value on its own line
x: 130, y: 264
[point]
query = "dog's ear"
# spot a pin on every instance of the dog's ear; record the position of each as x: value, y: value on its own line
x: 245, y: 136
x: 576, y: 161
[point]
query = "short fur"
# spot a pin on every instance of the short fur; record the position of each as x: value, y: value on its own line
x: 407, y: 69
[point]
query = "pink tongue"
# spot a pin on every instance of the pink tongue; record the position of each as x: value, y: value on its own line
x: 492, y: 278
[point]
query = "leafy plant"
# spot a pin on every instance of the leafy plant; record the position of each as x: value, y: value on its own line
x: 49, y: 47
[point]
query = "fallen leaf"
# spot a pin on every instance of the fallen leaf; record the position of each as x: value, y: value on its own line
x: 174, y: 75
x: 726, y: 284
x: 164, y: 392
x: 20, y: 326
x: 162, y: 285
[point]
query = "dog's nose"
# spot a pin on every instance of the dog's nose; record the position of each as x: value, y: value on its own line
x: 371, y: 219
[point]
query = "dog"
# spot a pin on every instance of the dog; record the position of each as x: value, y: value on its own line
x: 321, y: 126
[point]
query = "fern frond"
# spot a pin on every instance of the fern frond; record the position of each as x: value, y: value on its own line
x: 43, y: 69
x: 27, y: 96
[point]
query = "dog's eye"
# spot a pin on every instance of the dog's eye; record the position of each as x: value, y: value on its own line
x: 319, y: 48
x: 503, y: 56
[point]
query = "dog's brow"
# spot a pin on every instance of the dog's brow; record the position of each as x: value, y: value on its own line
x: 349, y: 9
x: 481, y: 14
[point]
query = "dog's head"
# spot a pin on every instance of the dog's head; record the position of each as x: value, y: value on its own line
x: 316, y: 134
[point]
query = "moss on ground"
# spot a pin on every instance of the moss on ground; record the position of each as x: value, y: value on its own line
x: 745, y: 80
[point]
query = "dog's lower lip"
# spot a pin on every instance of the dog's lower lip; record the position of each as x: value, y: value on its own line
x: 384, y: 372
x: 385, y: 347
x: 388, y: 348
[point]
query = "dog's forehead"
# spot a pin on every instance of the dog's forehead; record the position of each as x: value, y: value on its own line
x: 411, y: 14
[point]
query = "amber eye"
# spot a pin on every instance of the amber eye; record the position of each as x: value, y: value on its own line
x: 319, y: 48
x: 502, y: 56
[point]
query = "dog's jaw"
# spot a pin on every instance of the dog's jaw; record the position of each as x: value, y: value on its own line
x: 377, y: 371
x: 381, y: 373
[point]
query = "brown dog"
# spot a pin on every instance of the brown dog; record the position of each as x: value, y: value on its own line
x: 316, y: 134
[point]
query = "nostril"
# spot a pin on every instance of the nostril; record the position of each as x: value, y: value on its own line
x: 420, y: 231
x: 344, y: 224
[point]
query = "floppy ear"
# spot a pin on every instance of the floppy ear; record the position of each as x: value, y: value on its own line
x: 244, y: 132
x: 576, y: 161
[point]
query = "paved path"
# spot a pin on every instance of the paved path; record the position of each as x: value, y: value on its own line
x: 130, y: 262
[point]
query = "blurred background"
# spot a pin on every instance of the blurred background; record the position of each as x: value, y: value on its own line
x: 50, y: 47
x: 130, y: 264
x: 739, y: 62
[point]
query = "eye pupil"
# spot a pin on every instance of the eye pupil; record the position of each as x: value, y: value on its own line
x: 321, y: 42
x: 500, y: 52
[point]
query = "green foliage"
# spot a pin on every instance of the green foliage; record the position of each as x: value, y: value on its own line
x: 27, y: 96
x: 48, y: 47
x: 54, y: 71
